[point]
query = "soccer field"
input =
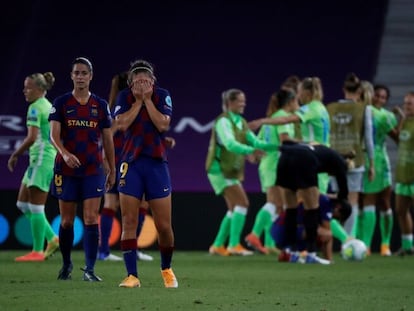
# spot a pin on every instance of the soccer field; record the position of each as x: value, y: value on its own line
x: 207, y: 282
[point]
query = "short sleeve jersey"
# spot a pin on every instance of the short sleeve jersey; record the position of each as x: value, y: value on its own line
x: 81, y: 131
x: 37, y: 116
x: 142, y: 137
x: 383, y: 122
x: 270, y: 134
x: 315, y: 123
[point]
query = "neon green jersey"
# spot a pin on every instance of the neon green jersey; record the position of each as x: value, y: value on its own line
x: 383, y: 122
x: 37, y: 116
x: 270, y: 134
x: 315, y: 124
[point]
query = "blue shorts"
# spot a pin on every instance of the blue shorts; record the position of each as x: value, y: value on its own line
x: 145, y: 176
x: 71, y: 188
x: 278, y: 234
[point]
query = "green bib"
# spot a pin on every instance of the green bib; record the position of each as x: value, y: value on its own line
x: 405, y: 160
x: 231, y: 164
x: 347, y: 128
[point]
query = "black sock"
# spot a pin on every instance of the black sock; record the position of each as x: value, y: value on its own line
x: 311, y: 222
x: 66, y: 237
x: 291, y: 227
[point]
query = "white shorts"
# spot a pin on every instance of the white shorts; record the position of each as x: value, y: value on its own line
x: 354, y: 180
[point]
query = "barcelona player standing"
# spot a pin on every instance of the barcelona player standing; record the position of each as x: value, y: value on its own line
x: 143, y: 112
x: 80, y: 126
x: 111, y: 198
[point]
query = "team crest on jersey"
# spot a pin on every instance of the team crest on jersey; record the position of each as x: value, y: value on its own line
x: 94, y: 112
x: 32, y: 115
x: 33, y: 112
x: 168, y: 101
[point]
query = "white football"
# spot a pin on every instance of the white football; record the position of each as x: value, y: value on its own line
x: 354, y: 250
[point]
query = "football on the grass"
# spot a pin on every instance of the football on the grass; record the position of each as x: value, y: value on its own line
x: 354, y: 250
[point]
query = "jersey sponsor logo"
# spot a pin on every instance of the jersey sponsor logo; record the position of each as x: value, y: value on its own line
x: 32, y: 118
x: 82, y: 123
x: 70, y: 111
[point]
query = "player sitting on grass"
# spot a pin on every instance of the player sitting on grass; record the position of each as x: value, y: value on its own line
x: 331, y: 210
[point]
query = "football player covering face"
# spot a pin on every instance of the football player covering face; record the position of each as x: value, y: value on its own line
x: 142, y: 86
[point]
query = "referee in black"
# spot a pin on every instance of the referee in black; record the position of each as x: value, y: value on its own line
x: 297, y: 174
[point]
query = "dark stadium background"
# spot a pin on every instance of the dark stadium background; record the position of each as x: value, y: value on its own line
x: 199, y: 49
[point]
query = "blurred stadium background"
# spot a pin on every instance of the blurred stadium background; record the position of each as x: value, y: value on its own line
x: 199, y: 49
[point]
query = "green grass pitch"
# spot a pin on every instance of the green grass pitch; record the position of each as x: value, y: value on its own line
x: 207, y: 282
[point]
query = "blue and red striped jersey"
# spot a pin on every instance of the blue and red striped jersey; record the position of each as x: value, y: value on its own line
x: 142, y: 137
x: 81, y: 129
